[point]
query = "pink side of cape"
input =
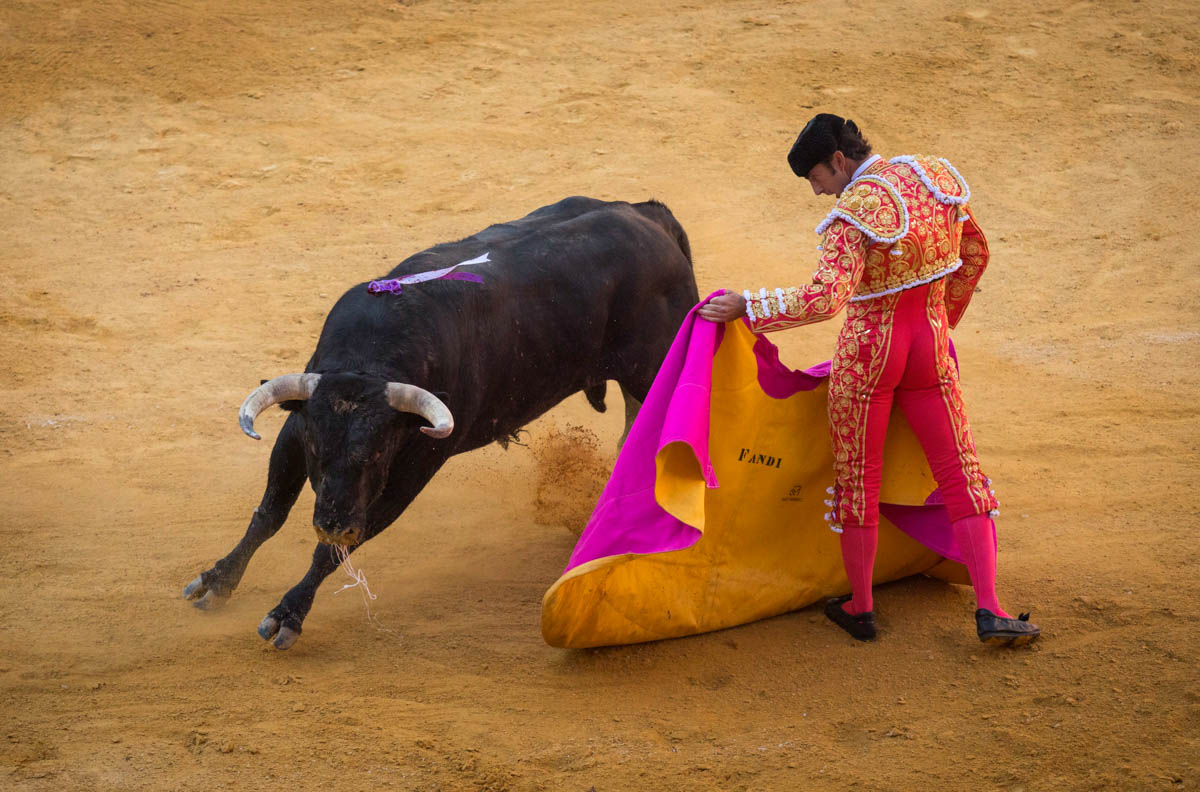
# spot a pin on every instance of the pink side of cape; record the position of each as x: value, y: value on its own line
x: 627, y: 518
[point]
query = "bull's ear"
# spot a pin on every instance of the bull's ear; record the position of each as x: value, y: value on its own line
x: 442, y: 395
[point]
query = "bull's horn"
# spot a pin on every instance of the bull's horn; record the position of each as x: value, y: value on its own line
x: 411, y: 399
x: 289, y: 387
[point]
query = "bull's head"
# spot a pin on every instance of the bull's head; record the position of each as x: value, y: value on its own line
x: 349, y: 439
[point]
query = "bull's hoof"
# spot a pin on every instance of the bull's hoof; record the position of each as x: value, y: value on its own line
x: 202, y: 596
x: 195, y: 589
x: 282, y: 632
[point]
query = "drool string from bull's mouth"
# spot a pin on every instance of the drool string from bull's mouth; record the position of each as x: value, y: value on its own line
x: 359, y: 578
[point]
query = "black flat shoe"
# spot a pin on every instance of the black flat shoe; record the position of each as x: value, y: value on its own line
x: 860, y: 627
x: 1000, y: 631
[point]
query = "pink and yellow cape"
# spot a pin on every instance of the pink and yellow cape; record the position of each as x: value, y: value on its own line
x: 714, y: 514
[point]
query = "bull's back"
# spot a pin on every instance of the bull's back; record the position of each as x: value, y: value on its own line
x: 577, y: 293
x: 572, y: 294
x: 573, y: 230
x: 539, y: 220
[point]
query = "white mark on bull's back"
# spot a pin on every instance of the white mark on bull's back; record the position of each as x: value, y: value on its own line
x: 477, y: 260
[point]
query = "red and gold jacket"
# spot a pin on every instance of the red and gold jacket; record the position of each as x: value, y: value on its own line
x: 902, y: 223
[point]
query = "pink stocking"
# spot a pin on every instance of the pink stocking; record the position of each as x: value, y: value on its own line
x: 858, y: 556
x: 976, y: 540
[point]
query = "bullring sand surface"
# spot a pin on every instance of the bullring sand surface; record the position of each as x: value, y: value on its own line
x: 186, y: 188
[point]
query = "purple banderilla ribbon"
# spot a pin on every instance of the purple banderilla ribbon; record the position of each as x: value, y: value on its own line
x: 396, y: 285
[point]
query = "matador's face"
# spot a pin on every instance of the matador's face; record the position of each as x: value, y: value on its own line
x: 830, y: 178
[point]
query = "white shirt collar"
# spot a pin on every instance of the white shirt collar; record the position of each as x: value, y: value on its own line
x: 866, y: 164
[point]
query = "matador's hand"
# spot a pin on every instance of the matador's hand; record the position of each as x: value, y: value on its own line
x: 724, y: 308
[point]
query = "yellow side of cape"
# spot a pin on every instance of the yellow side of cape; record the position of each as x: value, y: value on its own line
x: 765, y: 547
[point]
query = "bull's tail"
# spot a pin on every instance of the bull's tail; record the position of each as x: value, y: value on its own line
x: 659, y: 213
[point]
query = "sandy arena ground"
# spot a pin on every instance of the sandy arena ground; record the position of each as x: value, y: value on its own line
x: 186, y: 188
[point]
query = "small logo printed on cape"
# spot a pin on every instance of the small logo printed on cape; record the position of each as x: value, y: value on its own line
x: 750, y: 458
x: 794, y: 494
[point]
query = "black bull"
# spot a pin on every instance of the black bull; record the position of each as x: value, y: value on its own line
x: 574, y: 294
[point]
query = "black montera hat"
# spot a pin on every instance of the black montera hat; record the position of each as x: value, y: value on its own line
x: 817, y: 142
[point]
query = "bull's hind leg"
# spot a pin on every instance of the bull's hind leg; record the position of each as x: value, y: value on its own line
x: 636, y: 363
x: 632, y: 405
x: 285, y: 479
x: 595, y: 396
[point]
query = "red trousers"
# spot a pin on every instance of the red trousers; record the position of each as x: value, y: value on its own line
x: 896, y: 349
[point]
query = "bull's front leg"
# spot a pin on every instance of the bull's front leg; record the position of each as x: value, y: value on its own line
x: 282, y: 626
x: 285, y: 478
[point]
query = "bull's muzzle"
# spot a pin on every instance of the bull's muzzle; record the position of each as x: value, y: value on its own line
x: 337, y: 524
x: 348, y: 537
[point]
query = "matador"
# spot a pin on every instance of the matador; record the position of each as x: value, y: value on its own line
x: 902, y: 252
